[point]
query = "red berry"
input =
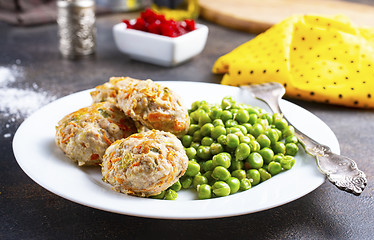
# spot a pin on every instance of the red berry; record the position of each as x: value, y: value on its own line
x: 166, y: 30
x: 140, y: 25
x: 154, y: 28
x: 149, y: 21
x: 161, y: 18
x: 190, y: 25
x: 128, y: 24
x: 148, y: 16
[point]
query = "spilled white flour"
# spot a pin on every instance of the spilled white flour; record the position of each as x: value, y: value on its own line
x: 18, y: 103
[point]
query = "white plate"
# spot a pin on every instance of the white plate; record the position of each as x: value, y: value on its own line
x: 38, y: 156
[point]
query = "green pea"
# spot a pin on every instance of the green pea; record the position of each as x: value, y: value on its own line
x: 291, y: 149
x: 195, y: 145
x: 252, y: 118
x: 245, y: 184
x: 288, y: 131
x: 171, y: 194
x: 233, y: 112
x: 218, y: 122
x: 242, y: 116
x: 161, y: 195
x: 221, y: 173
x: 208, y: 165
x: 193, y: 128
x: 263, y: 140
x: 273, y: 135
x: 216, y: 148
x: 291, y: 139
x: 278, y: 157
x: 231, y: 123
x: 207, y: 141
x: 215, y: 113
x: 221, y: 189
x: 192, y: 121
x: 280, y: 123
x: 227, y: 102
x: 287, y: 162
x: 242, y: 129
x: 254, y: 145
x: 265, y: 175
x: 264, y: 123
x: 222, y: 159
x: 245, y: 139
x: 277, y: 117
x: 257, y: 129
x: 176, y: 186
x: 236, y: 165
x: 196, y: 137
x: 206, y: 129
x: 195, y: 115
x: 195, y: 105
x: 232, y: 140
x: 190, y: 152
x: 279, y: 132
x: 208, y: 175
x: 255, y: 160
x: 204, y: 191
x: 199, y: 180
x: 248, y: 126
x: 193, y: 169
x: 234, y: 184
x: 239, y: 174
x: 203, y: 152
x: 226, y: 115
x: 253, y: 110
x: 242, y: 151
x: 222, y: 140
x: 274, y: 168
x: 218, y: 131
x: 268, y: 117
x: 186, y: 181
x: 254, y: 176
x: 279, y: 147
x: 267, y: 155
x: 205, y: 106
x: 232, y: 130
x: 204, y: 118
x: 187, y: 140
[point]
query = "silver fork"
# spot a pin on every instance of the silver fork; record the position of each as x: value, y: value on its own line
x: 340, y: 170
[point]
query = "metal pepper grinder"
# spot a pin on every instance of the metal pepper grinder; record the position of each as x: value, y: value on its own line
x: 76, y: 27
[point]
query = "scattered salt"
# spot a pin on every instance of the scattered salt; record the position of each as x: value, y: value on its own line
x: 21, y: 102
x: 6, y: 76
x: 7, y: 135
x: 18, y: 103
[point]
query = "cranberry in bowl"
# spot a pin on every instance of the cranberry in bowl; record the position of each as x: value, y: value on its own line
x: 152, y: 38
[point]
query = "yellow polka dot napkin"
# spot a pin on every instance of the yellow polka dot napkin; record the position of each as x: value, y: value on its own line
x: 317, y: 58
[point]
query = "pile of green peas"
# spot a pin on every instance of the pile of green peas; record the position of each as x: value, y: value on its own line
x: 231, y: 147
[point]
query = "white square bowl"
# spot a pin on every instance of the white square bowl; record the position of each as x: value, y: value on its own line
x: 157, y: 49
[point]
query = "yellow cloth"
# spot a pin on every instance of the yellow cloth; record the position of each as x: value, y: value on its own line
x: 317, y: 58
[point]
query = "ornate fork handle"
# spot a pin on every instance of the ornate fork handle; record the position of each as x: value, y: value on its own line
x: 340, y: 170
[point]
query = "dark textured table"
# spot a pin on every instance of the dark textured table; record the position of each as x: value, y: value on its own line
x: 28, y: 211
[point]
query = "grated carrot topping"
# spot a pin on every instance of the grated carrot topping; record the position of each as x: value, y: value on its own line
x: 67, y: 138
x: 106, y: 139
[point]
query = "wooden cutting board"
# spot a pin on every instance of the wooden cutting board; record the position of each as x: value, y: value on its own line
x: 256, y: 16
